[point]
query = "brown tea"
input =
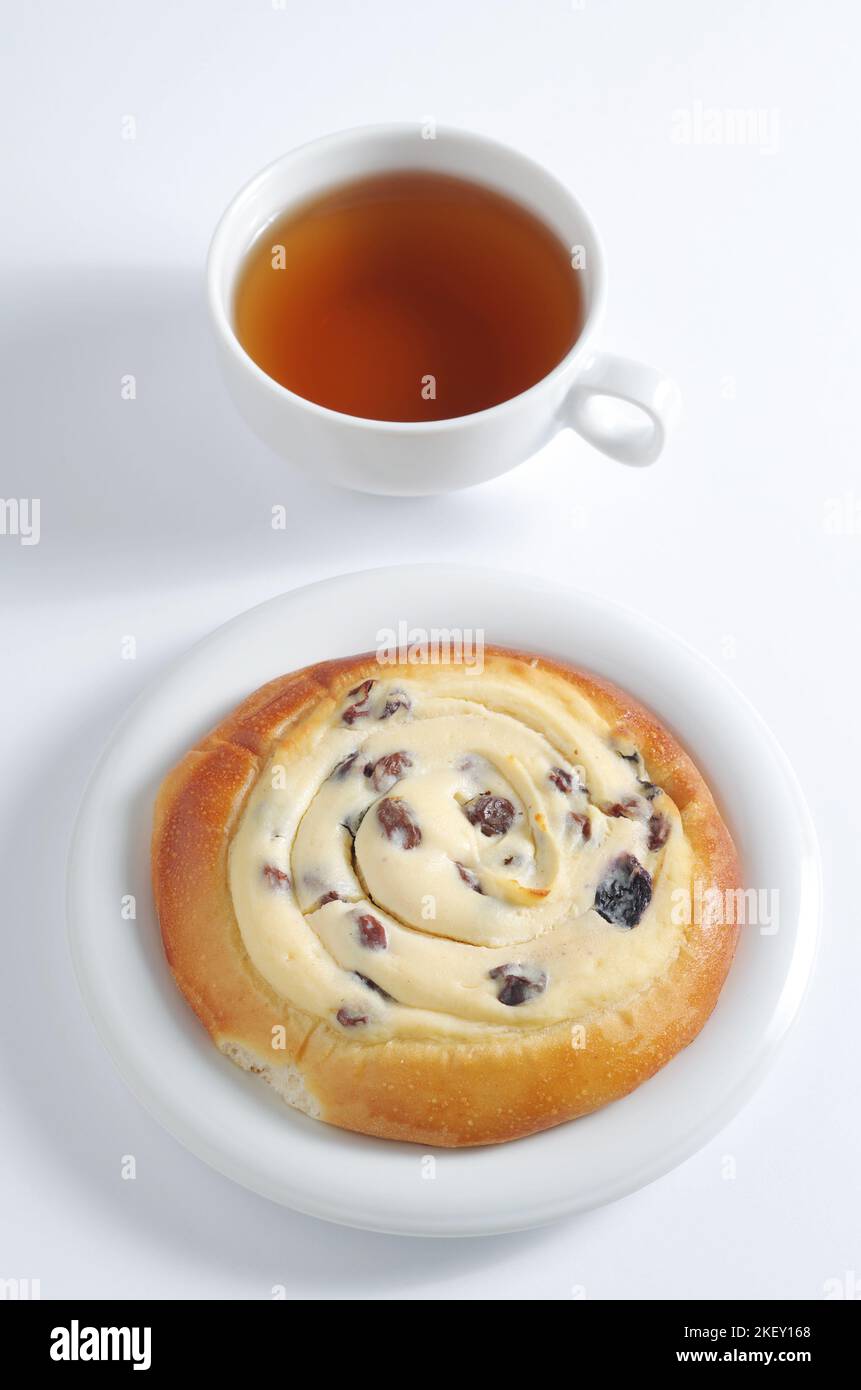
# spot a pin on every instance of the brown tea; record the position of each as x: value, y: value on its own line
x: 408, y: 296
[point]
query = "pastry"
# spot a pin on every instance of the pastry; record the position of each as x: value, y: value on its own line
x: 441, y: 904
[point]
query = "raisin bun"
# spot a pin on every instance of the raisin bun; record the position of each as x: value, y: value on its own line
x: 441, y: 905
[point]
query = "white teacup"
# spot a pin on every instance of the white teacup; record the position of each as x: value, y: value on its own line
x: 417, y: 458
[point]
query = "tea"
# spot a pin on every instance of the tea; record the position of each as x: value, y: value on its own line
x: 408, y: 296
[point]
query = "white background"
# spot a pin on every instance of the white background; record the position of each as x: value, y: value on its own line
x: 733, y: 266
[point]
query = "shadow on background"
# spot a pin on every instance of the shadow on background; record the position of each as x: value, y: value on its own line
x: 171, y: 486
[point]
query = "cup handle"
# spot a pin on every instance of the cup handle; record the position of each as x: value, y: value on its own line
x: 656, y: 396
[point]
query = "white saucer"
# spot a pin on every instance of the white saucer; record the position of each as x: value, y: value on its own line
x: 233, y: 1121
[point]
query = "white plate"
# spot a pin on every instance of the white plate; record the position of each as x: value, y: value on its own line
x: 234, y: 1121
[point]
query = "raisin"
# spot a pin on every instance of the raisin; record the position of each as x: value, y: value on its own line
x: 470, y: 879
x: 659, y: 831
x: 372, y: 984
x: 359, y: 709
x: 276, y: 878
x: 397, y: 823
x: 352, y: 713
x: 341, y: 769
x: 494, y: 815
x: 398, y: 699
x: 561, y: 779
x: 350, y: 1018
x: 628, y: 807
x: 388, y: 770
x: 624, y: 892
x: 650, y: 791
x: 330, y: 897
x: 582, y: 822
x: 372, y: 933
x: 520, y: 983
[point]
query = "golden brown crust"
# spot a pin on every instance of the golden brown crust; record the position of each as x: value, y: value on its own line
x: 427, y: 1092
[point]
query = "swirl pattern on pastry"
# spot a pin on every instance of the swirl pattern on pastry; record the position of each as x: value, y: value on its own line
x: 448, y: 857
x: 442, y: 906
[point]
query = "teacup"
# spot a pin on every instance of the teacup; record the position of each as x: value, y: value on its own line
x: 425, y: 457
